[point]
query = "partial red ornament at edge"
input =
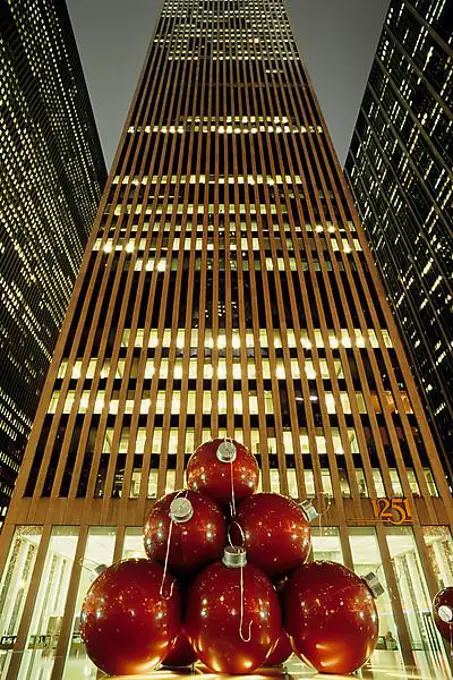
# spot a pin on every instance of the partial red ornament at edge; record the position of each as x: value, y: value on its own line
x: 443, y: 613
x: 330, y: 616
x: 128, y: 628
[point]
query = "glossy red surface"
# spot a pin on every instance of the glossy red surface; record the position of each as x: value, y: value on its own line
x: 213, y: 618
x: 194, y: 543
x: 207, y: 474
x: 277, y: 535
x: 444, y: 599
x: 127, y: 627
x: 330, y: 616
x: 182, y: 653
x: 282, y: 651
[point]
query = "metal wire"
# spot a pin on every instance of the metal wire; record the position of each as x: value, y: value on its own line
x: 241, y: 619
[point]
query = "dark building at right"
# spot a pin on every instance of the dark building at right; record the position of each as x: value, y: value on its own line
x: 400, y: 170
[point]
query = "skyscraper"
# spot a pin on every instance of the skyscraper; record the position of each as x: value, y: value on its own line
x: 52, y: 175
x: 399, y: 168
x: 226, y: 290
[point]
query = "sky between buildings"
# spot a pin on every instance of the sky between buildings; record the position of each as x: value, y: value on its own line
x: 336, y: 38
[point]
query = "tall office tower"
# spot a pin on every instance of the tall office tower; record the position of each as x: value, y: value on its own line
x: 400, y: 169
x: 226, y: 290
x: 52, y: 174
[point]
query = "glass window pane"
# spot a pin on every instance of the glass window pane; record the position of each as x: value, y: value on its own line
x: 133, y: 546
x: 430, y: 482
x: 361, y: 482
x: 152, y: 483
x: 413, y: 592
x: 309, y: 483
x: 326, y: 482
x: 44, y: 631
x: 378, y: 483
x: 292, y: 483
x: 326, y: 544
x: 170, y: 481
x: 440, y: 549
x: 275, y: 481
x: 366, y: 558
x: 14, y: 586
x: 98, y: 554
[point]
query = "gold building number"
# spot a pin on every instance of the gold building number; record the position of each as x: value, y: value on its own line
x: 396, y: 511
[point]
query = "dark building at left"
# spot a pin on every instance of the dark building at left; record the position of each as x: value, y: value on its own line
x: 52, y: 172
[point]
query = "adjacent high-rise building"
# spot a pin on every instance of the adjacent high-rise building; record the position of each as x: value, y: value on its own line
x: 400, y: 170
x: 227, y: 290
x: 52, y: 175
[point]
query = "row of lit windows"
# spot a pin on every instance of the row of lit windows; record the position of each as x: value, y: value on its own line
x: 237, y: 56
x: 221, y: 370
x: 189, y: 243
x: 197, y: 120
x: 345, y: 339
x: 175, y: 401
x: 141, y: 444
x: 309, y: 479
x: 253, y: 229
x: 220, y: 209
x: 209, y: 179
x: 233, y: 264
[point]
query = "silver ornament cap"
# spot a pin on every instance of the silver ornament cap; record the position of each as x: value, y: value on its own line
x: 374, y: 584
x: 234, y: 556
x: 181, y: 510
x: 310, y: 511
x: 445, y: 613
x: 100, y: 569
x: 226, y: 452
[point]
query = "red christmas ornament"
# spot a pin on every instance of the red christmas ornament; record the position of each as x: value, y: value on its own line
x: 128, y: 627
x: 276, y: 532
x: 443, y: 613
x: 233, y: 615
x: 330, y: 617
x: 281, y: 652
x: 181, y: 654
x: 194, y: 527
x: 225, y: 470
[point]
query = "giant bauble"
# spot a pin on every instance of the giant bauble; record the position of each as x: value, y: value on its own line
x: 228, y: 634
x: 223, y: 469
x: 330, y: 616
x: 127, y: 626
x: 276, y: 532
x: 198, y: 531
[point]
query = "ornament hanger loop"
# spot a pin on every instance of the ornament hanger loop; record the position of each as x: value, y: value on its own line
x: 228, y: 455
x: 181, y: 494
x: 241, y: 620
x: 241, y: 531
x: 164, y: 575
x: 328, y: 501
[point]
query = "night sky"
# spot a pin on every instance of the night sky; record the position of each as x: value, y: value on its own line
x: 336, y: 38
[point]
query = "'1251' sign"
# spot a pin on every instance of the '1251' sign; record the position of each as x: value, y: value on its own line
x: 396, y: 511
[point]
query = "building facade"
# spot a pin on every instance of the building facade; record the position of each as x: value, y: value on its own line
x: 52, y: 175
x: 227, y: 290
x: 400, y: 170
